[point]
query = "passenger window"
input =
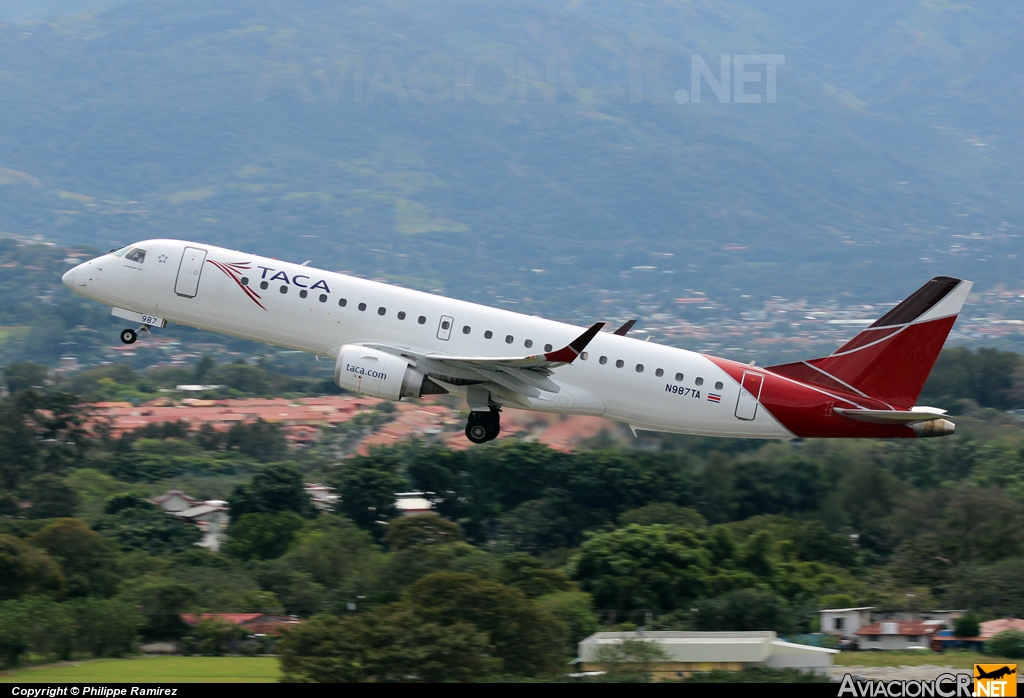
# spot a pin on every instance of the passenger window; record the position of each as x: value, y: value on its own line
x: 719, y: 385
x: 303, y: 293
x: 465, y: 329
x: 284, y: 289
x: 639, y: 368
x: 509, y: 339
x: 488, y: 334
x: 699, y: 381
x: 323, y: 297
x: 264, y: 285
x: 244, y: 280
x: 583, y: 356
x: 679, y: 377
x: 342, y: 302
x: 421, y: 319
x: 362, y: 306
x: 660, y: 372
x: 445, y: 324
x: 528, y: 343
x: 136, y: 255
x: 603, y: 360
x: 401, y: 314
x: 619, y: 363
x: 548, y: 347
x: 381, y: 310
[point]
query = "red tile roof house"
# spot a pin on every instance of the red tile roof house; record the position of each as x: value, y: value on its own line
x: 254, y: 623
x: 986, y: 631
x: 898, y: 634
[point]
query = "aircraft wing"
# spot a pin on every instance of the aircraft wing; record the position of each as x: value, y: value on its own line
x: 527, y: 375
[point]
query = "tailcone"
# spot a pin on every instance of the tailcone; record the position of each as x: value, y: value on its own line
x: 934, y: 427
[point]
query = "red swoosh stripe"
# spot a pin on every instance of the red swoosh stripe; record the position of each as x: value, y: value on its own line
x: 231, y: 271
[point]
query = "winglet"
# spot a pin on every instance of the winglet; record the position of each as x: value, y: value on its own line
x: 625, y: 328
x: 568, y: 354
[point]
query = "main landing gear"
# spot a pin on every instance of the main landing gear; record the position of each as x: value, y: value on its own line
x: 483, y: 426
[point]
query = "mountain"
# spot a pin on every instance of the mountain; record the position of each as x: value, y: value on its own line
x: 545, y: 154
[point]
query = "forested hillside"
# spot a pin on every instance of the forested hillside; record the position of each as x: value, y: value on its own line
x: 542, y: 153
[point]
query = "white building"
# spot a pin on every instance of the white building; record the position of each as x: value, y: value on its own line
x: 173, y: 501
x: 413, y: 503
x: 898, y: 634
x: 690, y: 652
x: 211, y: 518
x: 845, y: 622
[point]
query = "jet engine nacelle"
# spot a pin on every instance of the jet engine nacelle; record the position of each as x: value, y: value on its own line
x: 379, y: 374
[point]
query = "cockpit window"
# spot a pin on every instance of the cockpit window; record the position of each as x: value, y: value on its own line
x: 136, y: 255
x: 121, y: 252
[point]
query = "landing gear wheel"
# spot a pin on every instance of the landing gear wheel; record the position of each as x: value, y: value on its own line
x: 129, y: 336
x: 483, y: 426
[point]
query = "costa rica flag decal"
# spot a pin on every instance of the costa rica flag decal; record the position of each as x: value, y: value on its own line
x: 714, y: 397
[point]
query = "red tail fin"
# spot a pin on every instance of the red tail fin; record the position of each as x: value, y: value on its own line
x: 891, y: 359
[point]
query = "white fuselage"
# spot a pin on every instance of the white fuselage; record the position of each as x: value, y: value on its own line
x: 621, y: 378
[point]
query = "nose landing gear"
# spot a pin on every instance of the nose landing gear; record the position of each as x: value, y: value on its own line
x: 483, y: 426
x: 129, y: 335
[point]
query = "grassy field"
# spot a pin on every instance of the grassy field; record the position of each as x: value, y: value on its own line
x: 154, y: 669
x: 959, y: 659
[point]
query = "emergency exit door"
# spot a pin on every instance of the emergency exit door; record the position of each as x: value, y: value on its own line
x: 189, y: 271
x: 750, y: 391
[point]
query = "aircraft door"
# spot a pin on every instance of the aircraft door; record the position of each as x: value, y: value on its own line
x: 191, y: 267
x: 444, y: 328
x: 750, y: 391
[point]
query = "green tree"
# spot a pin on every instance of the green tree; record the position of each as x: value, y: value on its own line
x: 1009, y: 644
x: 424, y: 529
x: 148, y: 528
x: 273, y: 489
x: 745, y: 609
x: 160, y: 601
x: 261, y: 440
x: 524, y: 635
x: 664, y: 513
x: 13, y: 644
x: 25, y: 376
x: 575, y: 610
x: 87, y: 559
x: 368, y: 493
x: 25, y: 570
x: 19, y: 448
x: 631, y: 657
x: 104, y: 627
x: 212, y: 637
x: 296, y: 590
x: 263, y: 536
x: 531, y: 576
x: 203, y: 367
x: 643, y: 567
x: 388, y: 644
x: 51, y: 496
x: 966, y: 625
x: 338, y: 556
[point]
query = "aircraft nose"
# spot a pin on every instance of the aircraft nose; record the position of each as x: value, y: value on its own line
x: 69, y: 278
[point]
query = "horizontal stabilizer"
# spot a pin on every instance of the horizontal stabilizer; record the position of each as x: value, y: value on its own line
x: 926, y: 414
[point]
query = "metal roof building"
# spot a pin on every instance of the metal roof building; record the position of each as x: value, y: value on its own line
x: 690, y: 652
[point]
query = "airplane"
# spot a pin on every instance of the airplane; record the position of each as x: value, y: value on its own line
x: 393, y: 343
